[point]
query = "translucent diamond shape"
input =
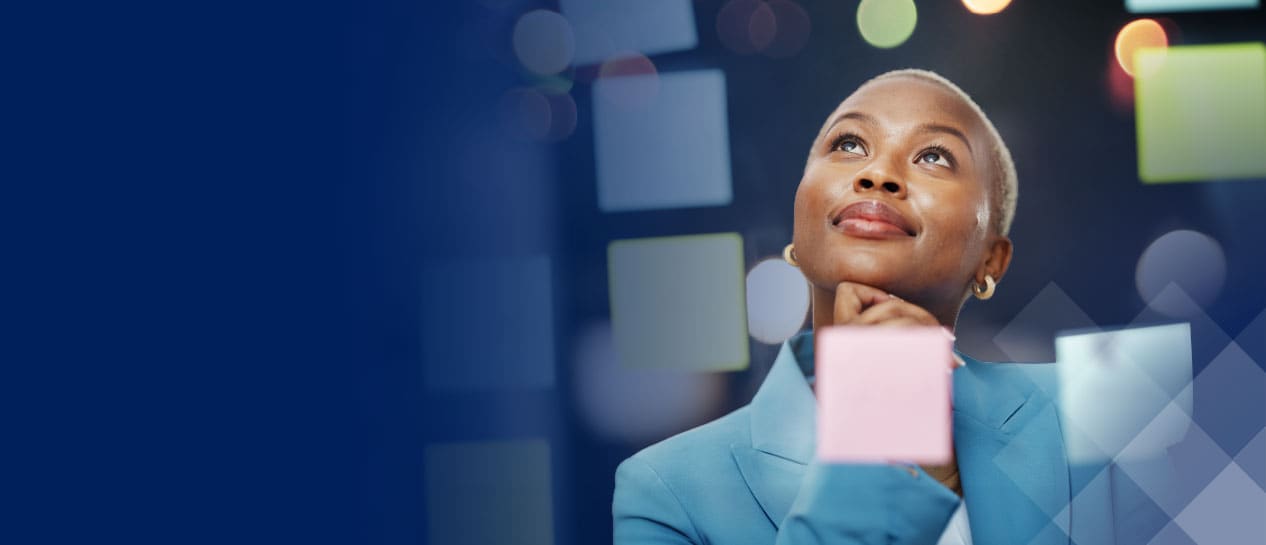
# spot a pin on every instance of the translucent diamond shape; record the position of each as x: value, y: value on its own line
x: 1229, y: 510
x: 1230, y: 399
x: 1027, y: 337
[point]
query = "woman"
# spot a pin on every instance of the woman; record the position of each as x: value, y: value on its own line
x: 902, y: 214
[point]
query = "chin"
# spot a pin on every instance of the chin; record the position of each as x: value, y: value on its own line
x: 883, y: 272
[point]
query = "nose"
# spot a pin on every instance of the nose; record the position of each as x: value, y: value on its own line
x: 877, y: 177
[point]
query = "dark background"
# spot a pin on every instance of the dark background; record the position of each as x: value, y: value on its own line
x: 218, y: 217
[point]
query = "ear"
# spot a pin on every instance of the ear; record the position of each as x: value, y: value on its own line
x: 997, y: 259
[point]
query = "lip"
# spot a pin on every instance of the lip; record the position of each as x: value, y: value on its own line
x: 871, y: 219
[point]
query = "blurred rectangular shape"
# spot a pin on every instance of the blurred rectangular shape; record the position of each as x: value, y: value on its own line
x: 1200, y: 112
x: 1116, y: 389
x: 883, y: 394
x: 489, y: 493
x: 1160, y: 6
x: 487, y: 323
x: 603, y: 28
x: 662, y: 141
x: 678, y: 302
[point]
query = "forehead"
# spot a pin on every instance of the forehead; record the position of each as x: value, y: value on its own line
x: 909, y: 100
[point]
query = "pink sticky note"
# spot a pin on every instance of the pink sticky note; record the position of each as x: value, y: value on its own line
x: 883, y: 394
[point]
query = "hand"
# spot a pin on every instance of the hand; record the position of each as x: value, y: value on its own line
x: 859, y: 304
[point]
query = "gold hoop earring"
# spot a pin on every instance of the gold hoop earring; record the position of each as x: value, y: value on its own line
x: 789, y: 255
x: 987, y: 292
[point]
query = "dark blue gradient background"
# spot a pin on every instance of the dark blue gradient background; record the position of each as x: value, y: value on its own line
x: 217, y: 217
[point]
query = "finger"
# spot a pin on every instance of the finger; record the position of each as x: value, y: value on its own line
x: 889, y: 311
x: 852, y: 298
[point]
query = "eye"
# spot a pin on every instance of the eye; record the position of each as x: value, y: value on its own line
x: 849, y: 143
x: 936, y: 156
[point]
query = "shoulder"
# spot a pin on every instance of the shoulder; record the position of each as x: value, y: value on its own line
x: 688, y: 452
x: 1023, y: 378
x: 668, y: 492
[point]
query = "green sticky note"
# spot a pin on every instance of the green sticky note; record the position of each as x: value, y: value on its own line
x: 1201, y: 112
x: 678, y: 302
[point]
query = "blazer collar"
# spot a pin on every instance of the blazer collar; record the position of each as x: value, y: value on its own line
x: 784, y: 410
x: 993, y: 403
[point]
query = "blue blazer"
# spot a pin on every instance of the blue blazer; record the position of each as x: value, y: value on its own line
x: 750, y: 477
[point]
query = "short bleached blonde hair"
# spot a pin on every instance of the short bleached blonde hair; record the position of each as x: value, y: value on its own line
x: 1006, y: 185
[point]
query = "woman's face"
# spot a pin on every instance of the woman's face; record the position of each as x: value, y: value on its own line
x: 896, y: 194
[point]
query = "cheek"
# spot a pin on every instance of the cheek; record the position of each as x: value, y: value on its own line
x: 812, y: 197
x: 956, y: 221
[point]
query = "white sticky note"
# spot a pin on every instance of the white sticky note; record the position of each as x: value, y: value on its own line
x: 1113, y: 385
x: 603, y: 28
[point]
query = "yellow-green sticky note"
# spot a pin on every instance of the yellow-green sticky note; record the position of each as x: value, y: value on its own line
x: 1201, y: 112
x: 678, y: 302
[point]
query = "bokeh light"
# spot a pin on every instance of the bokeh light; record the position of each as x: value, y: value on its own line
x: 986, y: 7
x: 635, y: 405
x: 561, y: 82
x: 562, y: 115
x: 543, y: 41
x: 1119, y: 86
x: 777, y: 28
x: 762, y: 27
x: 886, y: 23
x: 525, y: 114
x: 638, y: 80
x: 734, y: 25
x: 793, y: 26
x: 1191, y: 260
x: 777, y: 301
x: 1137, y: 35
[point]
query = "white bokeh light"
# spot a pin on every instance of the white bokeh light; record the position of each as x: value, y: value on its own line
x: 638, y: 406
x: 777, y: 301
x: 543, y: 41
x: 1191, y: 260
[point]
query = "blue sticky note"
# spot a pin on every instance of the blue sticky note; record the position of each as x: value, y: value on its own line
x: 662, y: 141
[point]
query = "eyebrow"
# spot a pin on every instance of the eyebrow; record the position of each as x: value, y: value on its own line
x: 946, y: 129
x: 851, y: 115
x: 926, y: 127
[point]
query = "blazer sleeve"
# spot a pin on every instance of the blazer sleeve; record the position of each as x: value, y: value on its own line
x: 851, y: 504
x: 837, y: 504
x: 645, y: 511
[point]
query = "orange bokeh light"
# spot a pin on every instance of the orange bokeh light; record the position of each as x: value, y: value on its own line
x: 986, y: 7
x: 1136, y: 35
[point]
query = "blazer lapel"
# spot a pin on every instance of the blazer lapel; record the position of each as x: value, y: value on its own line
x: 1006, y: 436
x: 1010, y: 454
x: 783, y: 417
